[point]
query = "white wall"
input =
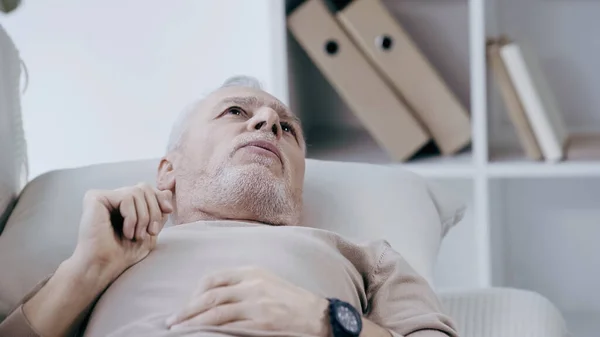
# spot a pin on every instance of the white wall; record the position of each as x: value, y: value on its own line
x: 107, y: 78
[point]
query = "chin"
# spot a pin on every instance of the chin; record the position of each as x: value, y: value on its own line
x: 257, y: 161
x: 252, y: 191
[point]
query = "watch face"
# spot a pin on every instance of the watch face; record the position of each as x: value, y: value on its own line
x: 347, y: 319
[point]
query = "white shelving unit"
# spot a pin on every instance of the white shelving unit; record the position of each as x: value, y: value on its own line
x: 531, y: 225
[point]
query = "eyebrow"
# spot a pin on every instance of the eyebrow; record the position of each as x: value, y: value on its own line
x: 255, y: 102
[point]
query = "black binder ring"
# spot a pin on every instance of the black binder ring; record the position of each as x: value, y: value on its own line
x: 384, y: 42
x: 331, y: 47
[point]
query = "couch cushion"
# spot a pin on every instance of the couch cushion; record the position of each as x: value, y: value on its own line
x: 360, y: 201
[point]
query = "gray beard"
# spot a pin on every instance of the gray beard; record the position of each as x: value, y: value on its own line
x: 248, y: 190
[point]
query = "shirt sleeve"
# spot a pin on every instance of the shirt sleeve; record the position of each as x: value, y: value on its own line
x: 401, y: 300
x: 16, y: 324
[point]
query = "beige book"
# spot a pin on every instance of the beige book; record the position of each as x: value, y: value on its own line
x: 539, y: 102
x: 387, y: 118
x: 512, y: 102
x: 398, y: 59
x: 583, y: 146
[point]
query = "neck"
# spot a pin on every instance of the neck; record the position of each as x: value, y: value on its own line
x: 203, y: 215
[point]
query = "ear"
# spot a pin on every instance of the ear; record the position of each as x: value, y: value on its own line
x: 165, y: 179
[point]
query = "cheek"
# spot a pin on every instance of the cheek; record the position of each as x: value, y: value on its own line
x: 200, y: 148
x: 214, y: 146
x: 298, y: 166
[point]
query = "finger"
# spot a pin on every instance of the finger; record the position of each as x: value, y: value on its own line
x: 165, y: 200
x: 206, y: 301
x: 166, y: 204
x: 129, y: 214
x: 154, y: 211
x: 223, y: 278
x: 223, y: 314
x: 243, y: 324
x: 156, y: 227
x: 143, y: 214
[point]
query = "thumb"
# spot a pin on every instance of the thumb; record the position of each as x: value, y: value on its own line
x: 111, y: 198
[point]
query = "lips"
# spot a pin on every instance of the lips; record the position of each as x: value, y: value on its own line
x: 263, y: 144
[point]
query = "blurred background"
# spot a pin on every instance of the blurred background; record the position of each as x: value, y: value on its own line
x: 107, y: 78
x: 103, y: 74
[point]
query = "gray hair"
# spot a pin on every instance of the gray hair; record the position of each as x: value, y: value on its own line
x: 180, y: 126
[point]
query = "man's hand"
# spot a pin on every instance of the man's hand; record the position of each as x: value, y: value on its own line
x: 119, y: 227
x: 255, y: 299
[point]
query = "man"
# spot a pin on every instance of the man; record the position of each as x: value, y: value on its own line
x: 235, y: 262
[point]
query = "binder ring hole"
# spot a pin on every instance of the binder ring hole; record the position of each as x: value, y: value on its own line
x: 331, y: 47
x: 385, y: 42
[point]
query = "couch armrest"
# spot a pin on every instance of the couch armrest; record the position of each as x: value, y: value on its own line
x: 503, y: 312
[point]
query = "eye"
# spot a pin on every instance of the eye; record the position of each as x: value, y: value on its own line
x: 234, y: 110
x: 287, y: 127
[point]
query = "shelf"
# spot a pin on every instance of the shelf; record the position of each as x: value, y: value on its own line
x: 521, y: 210
x: 356, y: 145
x: 526, y: 169
x: 507, y: 165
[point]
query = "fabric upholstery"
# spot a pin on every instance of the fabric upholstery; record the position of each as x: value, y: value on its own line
x: 503, y: 312
x: 13, y: 155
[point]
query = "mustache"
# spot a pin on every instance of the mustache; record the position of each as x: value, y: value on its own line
x: 246, y: 138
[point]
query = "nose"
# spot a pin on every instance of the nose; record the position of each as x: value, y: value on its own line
x: 265, y: 120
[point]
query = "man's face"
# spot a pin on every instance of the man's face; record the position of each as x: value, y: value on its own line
x: 241, y: 157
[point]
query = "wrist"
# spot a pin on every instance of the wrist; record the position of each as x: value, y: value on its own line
x: 324, y: 325
x: 60, y: 303
x: 86, y: 269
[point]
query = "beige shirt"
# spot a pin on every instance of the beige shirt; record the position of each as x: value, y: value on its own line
x: 372, y: 277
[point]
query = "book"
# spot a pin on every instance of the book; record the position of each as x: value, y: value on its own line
x: 583, y: 146
x: 387, y: 118
x: 514, y: 108
x: 537, y: 99
x: 390, y: 49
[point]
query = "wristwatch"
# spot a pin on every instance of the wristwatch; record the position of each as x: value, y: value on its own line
x: 345, y: 320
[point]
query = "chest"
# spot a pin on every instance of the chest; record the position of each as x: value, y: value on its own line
x: 163, y: 281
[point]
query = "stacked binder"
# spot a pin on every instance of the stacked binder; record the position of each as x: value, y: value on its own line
x: 381, y: 74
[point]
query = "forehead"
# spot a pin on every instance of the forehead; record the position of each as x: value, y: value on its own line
x: 246, y: 97
x: 251, y: 97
